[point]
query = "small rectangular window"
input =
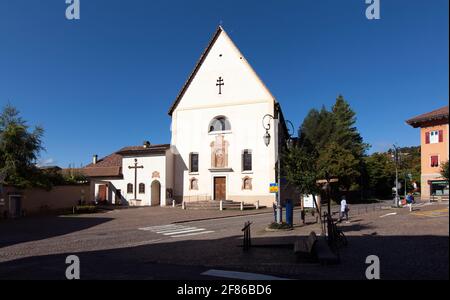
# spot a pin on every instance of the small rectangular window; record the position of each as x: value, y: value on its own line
x: 247, y: 160
x: 193, y: 165
x: 434, y: 137
x: 434, y: 161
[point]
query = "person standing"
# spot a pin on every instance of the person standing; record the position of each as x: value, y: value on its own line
x: 344, y: 209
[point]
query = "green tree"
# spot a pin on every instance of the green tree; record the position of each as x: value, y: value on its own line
x: 316, y: 130
x: 380, y: 170
x: 345, y: 133
x: 333, y: 136
x: 445, y: 171
x: 19, y: 148
x: 335, y: 161
x: 300, y: 171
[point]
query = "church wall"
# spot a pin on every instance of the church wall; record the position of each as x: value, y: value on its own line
x: 169, y: 174
x: 154, y: 169
x: 224, y: 85
x: 246, y: 133
x: 241, y: 83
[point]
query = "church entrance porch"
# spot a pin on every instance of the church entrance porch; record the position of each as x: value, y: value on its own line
x: 220, y: 187
x: 156, y: 193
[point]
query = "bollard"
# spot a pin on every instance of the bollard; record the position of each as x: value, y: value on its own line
x: 242, y: 205
x: 257, y: 204
x: 183, y: 205
x: 221, y: 205
x: 173, y: 203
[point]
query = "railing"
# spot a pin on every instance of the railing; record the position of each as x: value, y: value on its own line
x: 435, y: 198
x: 335, y: 237
x: 247, y: 236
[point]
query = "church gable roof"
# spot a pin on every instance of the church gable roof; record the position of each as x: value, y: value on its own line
x: 196, y: 68
x: 217, y: 34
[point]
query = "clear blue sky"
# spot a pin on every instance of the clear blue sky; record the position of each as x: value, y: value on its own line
x: 107, y: 80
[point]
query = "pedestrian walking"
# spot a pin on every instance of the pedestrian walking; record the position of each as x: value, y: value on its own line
x: 344, y: 209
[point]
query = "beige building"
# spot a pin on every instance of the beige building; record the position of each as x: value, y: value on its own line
x: 434, y: 140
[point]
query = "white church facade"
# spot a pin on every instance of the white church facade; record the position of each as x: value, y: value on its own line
x: 217, y: 151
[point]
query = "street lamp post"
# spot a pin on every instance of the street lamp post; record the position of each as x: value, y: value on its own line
x: 396, y: 159
x: 267, y: 139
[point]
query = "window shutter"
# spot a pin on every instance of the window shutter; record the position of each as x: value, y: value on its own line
x: 434, y: 161
x: 427, y: 137
x: 441, y: 136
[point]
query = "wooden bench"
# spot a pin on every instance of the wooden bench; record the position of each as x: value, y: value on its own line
x: 305, y: 247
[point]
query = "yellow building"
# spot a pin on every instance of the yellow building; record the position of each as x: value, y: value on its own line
x: 434, y: 139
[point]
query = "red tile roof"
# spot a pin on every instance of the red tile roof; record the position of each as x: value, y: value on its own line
x: 438, y: 114
x: 111, y: 165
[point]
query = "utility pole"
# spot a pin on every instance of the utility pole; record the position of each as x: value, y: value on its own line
x: 396, y: 158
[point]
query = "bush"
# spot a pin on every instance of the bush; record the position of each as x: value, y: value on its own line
x: 85, y: 209
x: 283, y: 225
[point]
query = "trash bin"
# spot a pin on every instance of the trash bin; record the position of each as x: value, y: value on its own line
x: 289, y: 212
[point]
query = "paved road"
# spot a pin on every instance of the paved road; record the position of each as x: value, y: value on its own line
x: 163, y: 244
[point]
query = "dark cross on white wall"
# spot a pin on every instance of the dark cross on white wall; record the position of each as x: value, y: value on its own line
x: 220, y: 83
x: 135, y: 167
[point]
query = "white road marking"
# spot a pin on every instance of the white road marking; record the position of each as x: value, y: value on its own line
x: 240, y: 275
x: 191, y: 234
x: 174, y: 230
x: 184, y: 231
x: 390, y: 214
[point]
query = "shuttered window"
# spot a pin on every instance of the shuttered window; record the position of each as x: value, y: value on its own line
x: 434, y: 161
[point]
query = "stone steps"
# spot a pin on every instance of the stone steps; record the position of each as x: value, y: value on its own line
x: 215, y: 205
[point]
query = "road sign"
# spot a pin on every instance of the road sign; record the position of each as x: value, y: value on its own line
x: 274, y: 188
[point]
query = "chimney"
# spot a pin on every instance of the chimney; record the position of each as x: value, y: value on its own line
x: 94, y: 159
x: 147, y: 144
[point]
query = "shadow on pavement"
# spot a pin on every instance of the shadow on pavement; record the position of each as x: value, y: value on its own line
x: 401, y: 257
x: 32, y: 229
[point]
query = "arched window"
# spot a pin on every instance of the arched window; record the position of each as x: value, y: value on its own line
x: 130, y: 188
x: 220, y: 123
x: 141, y: 188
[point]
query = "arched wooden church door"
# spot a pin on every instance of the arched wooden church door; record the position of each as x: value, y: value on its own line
x: 156, y: 193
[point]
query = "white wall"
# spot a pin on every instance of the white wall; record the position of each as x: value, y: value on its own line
x: 151, y: 164
x: 244, y: 101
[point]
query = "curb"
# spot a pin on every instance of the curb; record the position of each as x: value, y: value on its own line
x: 221, y: 217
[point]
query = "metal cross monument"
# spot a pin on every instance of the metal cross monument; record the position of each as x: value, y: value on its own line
x: 135, y: 167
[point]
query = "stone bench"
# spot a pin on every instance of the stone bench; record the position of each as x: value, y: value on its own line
x: 304, y: 247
